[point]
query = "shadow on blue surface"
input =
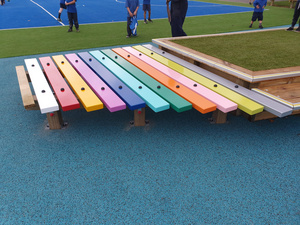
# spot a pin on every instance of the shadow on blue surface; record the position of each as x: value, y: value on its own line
x: 41, y: 13
x: 180, y: 169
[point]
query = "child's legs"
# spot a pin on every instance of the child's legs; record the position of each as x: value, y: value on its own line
x: 254, y: 17
x: 75, y: 19
x: 147, y: 7
x: 62, y: 7
x: 70, y: 17
x: 149, y: 11
x: 128, y: 24
x: 260, y: 17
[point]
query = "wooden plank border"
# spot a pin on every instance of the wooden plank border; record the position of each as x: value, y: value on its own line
x: 234, y: 70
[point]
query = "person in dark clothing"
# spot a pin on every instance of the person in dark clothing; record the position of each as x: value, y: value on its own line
x: 295, y: 17
x: 72, y: 14
x: 177, y: 16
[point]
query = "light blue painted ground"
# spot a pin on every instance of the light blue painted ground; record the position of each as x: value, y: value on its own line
x: 180, y: 169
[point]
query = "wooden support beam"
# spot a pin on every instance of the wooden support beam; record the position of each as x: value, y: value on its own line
x: 219, y: 117
x: 139, y: 117
x: 55, y: 120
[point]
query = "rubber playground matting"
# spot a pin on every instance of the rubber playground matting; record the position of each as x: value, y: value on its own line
x: 40, y: 13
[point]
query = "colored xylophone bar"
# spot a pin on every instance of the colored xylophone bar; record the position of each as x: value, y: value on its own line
x: 271, y: 105
x: 130, y: 77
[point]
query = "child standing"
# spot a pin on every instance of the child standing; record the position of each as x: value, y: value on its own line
x: 132, y: 7
x: 147, y: 7
x: 259, y: 6
x: 72, y: 15
x: 62, y: 6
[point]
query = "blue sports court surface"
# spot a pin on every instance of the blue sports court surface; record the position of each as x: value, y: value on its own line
x: 40, y: 13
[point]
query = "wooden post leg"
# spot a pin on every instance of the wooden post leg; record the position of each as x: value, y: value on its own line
x: 139, y: 117
x: 237, y: 112
x: 219, y: 117
x: 55, y: 120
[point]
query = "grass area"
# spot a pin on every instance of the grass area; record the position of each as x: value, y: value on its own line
x: 254, y: 51
x: 22, y: 42
x: 55, y: 39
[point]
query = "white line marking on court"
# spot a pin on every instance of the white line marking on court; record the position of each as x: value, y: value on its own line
x: 46, y: 11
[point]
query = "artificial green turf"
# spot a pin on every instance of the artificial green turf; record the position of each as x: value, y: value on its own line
x: 254, y: 51
x: 22, y: 42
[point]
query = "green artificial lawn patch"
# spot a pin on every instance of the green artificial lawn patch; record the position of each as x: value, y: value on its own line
x: 21, y: 42
x: 254, y: 51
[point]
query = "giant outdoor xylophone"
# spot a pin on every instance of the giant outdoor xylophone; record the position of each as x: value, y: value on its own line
x: 133, y: 77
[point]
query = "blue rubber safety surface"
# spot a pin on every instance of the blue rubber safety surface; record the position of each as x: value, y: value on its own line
x: 179, y: 169
x: 41, y: 13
